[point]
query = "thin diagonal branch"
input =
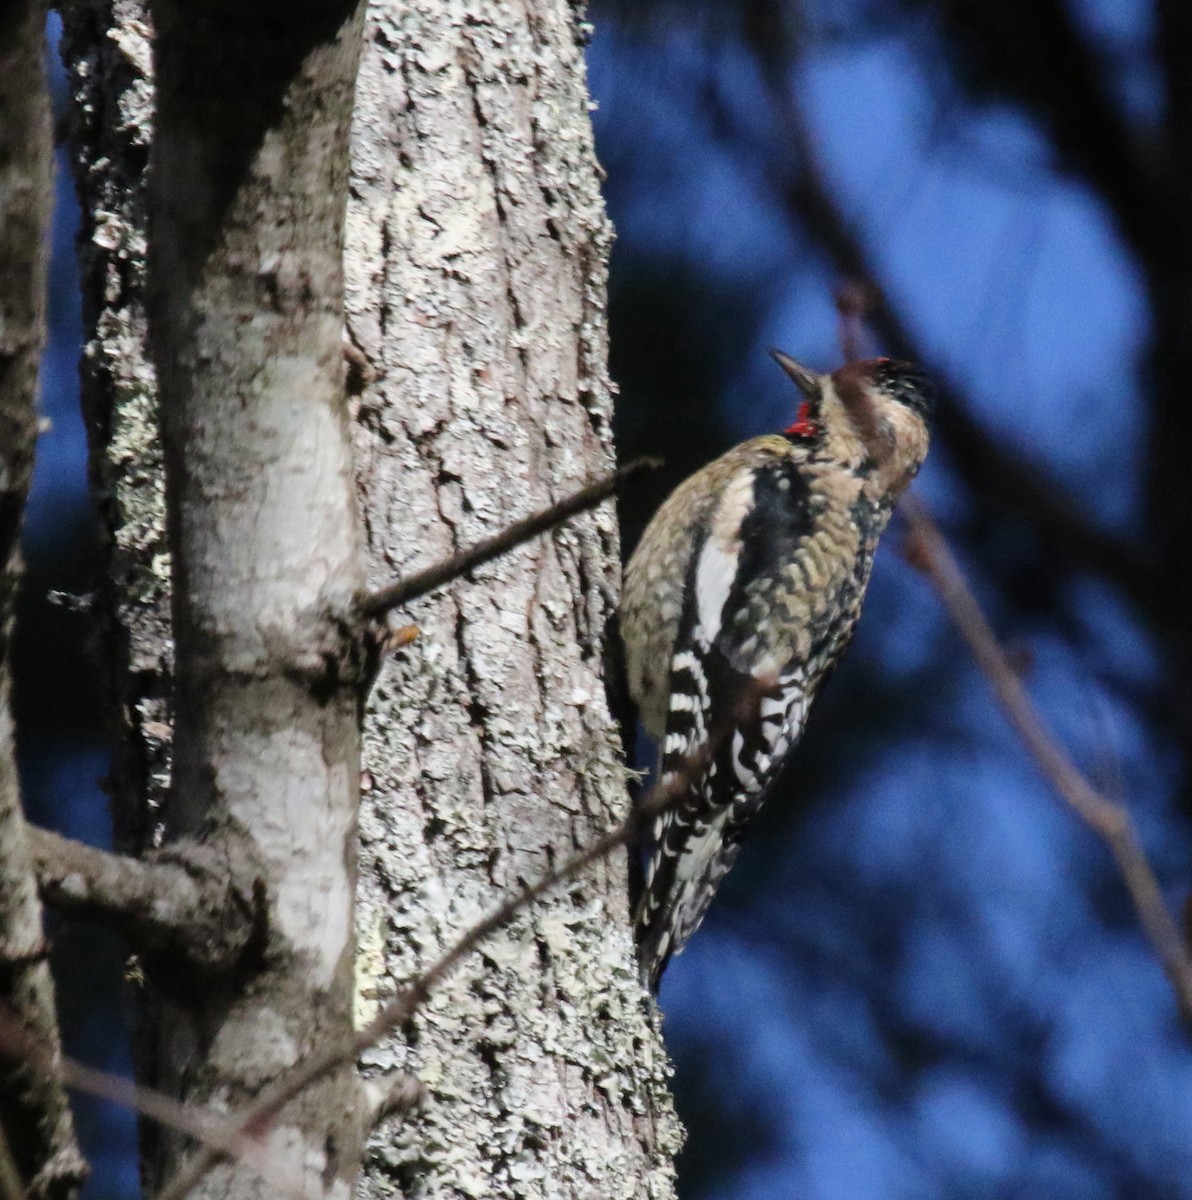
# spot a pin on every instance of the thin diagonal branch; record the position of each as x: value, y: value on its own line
x: 402, y: 591
x: 204, y: 1125
x: 1111, y: 822
x: 995, y: 471
x: 399, y: 1010
x: 998, y: 472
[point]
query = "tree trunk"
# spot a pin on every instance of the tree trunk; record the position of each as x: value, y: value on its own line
x: 476, y: 290
x: 475, y: 267
x: 246, y: 204
x: 38, y: 1153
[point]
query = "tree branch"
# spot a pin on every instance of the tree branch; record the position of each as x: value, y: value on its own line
x: 189, y: 901
x: 402, y: 591
x: 999, y: 474
x: 1111, y: 822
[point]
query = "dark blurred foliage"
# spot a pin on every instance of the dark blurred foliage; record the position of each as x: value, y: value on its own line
x: 922, y: 978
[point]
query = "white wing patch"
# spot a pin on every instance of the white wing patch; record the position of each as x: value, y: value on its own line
x: 713, y: 581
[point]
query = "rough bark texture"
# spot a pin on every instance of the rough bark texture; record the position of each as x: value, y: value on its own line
x: 476, y: 258
x: 35, y: 1120
x: 246, y: 199
x: 106, y: 47
x: 476, y: 278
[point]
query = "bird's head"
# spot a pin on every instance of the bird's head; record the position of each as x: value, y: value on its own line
x: 872, y: 415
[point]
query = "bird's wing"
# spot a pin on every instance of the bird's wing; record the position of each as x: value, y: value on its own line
x: 727, y: 728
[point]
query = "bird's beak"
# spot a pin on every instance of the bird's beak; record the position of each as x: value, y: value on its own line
x: 806, y: 381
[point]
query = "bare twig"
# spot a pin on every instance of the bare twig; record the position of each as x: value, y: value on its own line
x: 929, y: 551
x: 204, y: 1126
x: 402, y: 591
x: 187, y: 902
x: 254, y: 1116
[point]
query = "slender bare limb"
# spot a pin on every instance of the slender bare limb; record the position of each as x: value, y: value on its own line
x: 402, y: 591
x: 189, y: 901
x: 204, y: 1125
x: 998, y: 472
x: 242, y: 1137
x: 930, y: 552
x: 254, y: 1116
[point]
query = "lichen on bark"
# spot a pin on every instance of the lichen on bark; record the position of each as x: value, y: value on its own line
x: 476, y: 264
x: 476, y: 277
x: 107, y: 49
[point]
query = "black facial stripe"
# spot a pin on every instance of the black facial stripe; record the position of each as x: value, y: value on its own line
x: 906, y: 383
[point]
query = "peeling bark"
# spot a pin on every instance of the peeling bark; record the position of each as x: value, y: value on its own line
x: 35, y: 1121
x: 476, y: 277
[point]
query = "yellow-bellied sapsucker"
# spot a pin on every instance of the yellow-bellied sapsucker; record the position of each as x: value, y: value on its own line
x: 739, y: 599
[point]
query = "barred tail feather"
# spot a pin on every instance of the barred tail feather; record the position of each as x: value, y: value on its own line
x: 689, y: 859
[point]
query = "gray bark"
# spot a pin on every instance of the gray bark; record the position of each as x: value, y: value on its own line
x: 37, y: 1146
x: 476, y: 278
x: 246, y: 201
x: 196, y: 907
x: 475, y: 259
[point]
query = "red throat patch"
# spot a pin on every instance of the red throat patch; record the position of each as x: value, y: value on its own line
x: 803, y: 426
